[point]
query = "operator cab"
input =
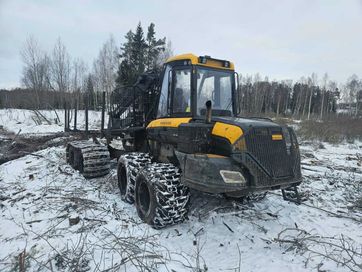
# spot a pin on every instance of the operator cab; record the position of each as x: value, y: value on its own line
x: 190, y: 81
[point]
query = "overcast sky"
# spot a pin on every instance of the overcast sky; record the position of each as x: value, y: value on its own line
x: 280, y: 39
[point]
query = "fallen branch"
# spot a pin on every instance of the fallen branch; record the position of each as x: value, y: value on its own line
x: 342, y: 250
x: 96, y: 220
x: 226, y: 225
x: 40, y: 115
x: 324, y: 210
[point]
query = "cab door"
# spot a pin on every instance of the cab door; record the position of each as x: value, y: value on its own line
x: 174, y: 109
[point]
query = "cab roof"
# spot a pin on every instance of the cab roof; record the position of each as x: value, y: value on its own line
x: 203, y: 61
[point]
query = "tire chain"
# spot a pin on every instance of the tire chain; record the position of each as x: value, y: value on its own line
x: 133, y: 163
x: 96, y: 158
x: 172, y: 196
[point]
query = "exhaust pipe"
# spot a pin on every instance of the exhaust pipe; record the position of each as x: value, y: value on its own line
x: 208, y: 105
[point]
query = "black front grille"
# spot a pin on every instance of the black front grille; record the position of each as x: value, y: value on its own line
x: 272, y: 155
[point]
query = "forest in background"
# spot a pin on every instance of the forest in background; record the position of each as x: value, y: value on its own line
x: 50, y: 79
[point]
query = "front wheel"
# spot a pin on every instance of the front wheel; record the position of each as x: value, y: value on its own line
x: 160, y: 197
x: 128, y: 167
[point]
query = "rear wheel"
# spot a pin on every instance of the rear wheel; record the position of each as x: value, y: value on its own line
x: 128, y: 167
x: 161, y: 199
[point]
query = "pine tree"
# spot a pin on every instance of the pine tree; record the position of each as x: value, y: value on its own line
x: 133, y: 53
x: 139, y: 54
x: 138, y: 51
x: 125, y: 69
x: 154, y: 48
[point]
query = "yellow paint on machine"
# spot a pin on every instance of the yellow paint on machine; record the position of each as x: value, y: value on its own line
x: 230, y: 132
x: 195, y: 61
x: 168, y: 122
x: 277, y: 137
x: 213, y: 156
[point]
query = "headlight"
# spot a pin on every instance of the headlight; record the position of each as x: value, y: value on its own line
x: 233, y: 177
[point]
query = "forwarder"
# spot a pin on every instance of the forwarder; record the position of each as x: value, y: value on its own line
x: 182, y: 130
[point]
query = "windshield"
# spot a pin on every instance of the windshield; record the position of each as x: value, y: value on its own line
x: 216, y: 86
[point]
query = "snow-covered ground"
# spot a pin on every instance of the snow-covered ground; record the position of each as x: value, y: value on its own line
x: 28, y: 122
x: 52, y: 219
x: 42, y: 200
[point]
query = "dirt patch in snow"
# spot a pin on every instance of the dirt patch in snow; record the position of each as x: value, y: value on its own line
x: 13, y: 146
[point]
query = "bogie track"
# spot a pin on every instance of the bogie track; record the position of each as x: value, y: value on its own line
x: 91, y: 159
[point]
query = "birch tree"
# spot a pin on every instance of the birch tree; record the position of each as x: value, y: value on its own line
x: 60, y: 68
x: 105, y: 67
x: 79, y: 75
x: 36, y: 67
x: 324, y: 87
x: 312, y: 82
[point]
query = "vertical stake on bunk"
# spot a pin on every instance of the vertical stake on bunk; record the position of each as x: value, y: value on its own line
x: 75, y: 115
x: 86, y: 114
x: 103, y: 112
x: 65, y: 117
x: 68, y: 118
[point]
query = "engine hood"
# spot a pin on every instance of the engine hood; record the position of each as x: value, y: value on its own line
x: 247, y: 123
x: 232, y: 128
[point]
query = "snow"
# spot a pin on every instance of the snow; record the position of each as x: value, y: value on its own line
x: 26, y: 121
x: 39, y: 193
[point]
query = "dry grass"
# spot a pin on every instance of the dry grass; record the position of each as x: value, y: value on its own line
x: 333, y: 130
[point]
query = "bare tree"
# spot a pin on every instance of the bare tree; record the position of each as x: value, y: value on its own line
x: 332, y: 95
x: 354, y: 85
x: 300, y: 103
x: 60, y: 68
x: 79, y: 75
x: 311, y: 82
x: 324, y: 87
x: 105, y: 67
x: 36, y: 67
x: 78, y: 80
x: 288, y: 83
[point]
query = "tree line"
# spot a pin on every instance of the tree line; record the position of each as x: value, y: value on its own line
x: 52, y: 79
x: 305, y: 98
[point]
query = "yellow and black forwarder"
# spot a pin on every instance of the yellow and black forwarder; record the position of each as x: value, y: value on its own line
x: 182, y: 130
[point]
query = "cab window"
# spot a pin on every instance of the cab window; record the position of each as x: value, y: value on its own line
x: 216, y: 86
x: 162, y: 105
x: 181, y: 94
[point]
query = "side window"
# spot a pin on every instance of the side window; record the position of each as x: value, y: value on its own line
x: 226, y: 100
x: 181, y: 92
x: 162, y: 106
x: 205, y: 87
